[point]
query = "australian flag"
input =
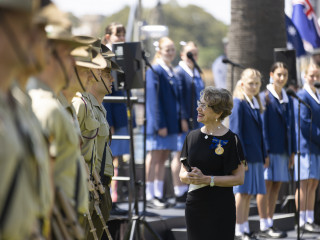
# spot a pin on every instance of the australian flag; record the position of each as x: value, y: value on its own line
x: 294, y: 40
x: 305, y: 20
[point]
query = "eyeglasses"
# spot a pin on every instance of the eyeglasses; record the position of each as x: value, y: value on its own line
x: 202, y: 105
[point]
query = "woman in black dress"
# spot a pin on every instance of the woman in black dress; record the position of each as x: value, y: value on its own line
x: 216, y: 162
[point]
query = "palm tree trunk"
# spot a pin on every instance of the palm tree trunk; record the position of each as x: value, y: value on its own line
x: 257, y: 27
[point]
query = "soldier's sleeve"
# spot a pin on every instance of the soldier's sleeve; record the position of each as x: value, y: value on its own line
x: 81, y: 109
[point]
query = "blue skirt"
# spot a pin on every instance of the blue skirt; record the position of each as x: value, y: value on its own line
x: 278, y: 170
x: 120, y: 147
x: 253, y: 180
x: 181, y: 138
x: 309, y: 167
x: 155, y: 142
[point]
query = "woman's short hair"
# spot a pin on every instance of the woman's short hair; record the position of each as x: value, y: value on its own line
x: 219, y: 99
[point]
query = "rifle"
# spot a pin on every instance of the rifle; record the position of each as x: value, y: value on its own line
x: 91, y: 188
x: 71, y: 219
x: 59, y: 229
x: 92, y: 228
x: 104, y: 224
x: 97, y: 182
x: 95, y: 187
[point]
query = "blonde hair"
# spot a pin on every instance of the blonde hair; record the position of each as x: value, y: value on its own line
x: 310, y: 63
x: 158, y: 54
x: 248, y: 73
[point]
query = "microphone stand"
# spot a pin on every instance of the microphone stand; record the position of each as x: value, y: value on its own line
x: 298, y: 183
x: 232, y: 76
x: 227, y: 61
x: 192, y: 100
x: 136, y: 219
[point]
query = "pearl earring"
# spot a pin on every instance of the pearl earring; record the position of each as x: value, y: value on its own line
x: 219, y: 124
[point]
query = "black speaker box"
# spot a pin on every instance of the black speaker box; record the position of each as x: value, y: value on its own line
x: 289, y: 58
x: 129, y: 58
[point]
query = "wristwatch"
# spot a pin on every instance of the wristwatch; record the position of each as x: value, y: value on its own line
x: 212, y: 181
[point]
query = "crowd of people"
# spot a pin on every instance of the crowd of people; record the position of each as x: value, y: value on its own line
x: 267, y: 126
x: 57, y: 163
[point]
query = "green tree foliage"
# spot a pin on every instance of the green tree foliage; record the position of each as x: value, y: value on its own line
x: 121, y: 17
x: 190, y: 23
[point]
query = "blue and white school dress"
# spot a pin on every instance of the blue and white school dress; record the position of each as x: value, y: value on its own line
x: 309, y: 138
x: 186, y: 77
x: 279, y: 133
x: 246, y: 122
x: 118, y: 119
x: 162, y: 107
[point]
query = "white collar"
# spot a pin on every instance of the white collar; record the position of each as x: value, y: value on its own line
x: 311, y: 93
x: 188, y: 70
x: 284, y: 99
x: 109, y: 45
x: 254, y: 103
x: 165, y: 67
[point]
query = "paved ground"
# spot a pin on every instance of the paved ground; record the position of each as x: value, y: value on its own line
x: 306, y: 236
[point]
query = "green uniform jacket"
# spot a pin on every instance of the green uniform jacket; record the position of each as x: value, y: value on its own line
x: 89, y: 128
x: 83, y: 198
x: 63, y: 139
x: 38, y: 156
x: 19, y: 215
x: 103, y: 136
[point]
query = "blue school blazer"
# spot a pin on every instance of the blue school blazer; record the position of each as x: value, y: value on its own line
x: 116, y: 112
x: 278, y: 125
x: 307, y: 144
x: 162, y: 101
x: 185, y: 82
x: 247, y: 124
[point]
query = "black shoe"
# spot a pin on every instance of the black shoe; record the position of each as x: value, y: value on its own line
x: 272, y: 232
x: 238, y: 237
x: 157, y: 203
x: 180, y: 205
x: 118, y: 211
x: 182, y: 198
x: 248, y: 236
x: 310, y: 228
x: 181, y: 201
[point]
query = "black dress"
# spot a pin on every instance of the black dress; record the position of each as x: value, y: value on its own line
x: 210, y: 211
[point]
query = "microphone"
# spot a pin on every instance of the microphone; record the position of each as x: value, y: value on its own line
x: 190, y: 56
x: 226, y: 60
x: 293, y: 94
x: 316, y: 85
x: 143, y: 53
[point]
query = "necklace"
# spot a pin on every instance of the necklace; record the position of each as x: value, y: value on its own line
x: 211, y: 133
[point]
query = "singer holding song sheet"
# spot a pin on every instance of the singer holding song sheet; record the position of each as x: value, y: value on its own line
x: 309, y: 148
x: 215, y: 155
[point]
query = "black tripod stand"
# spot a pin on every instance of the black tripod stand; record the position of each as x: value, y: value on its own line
x: 134, y: 217
x: 298, y: 183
